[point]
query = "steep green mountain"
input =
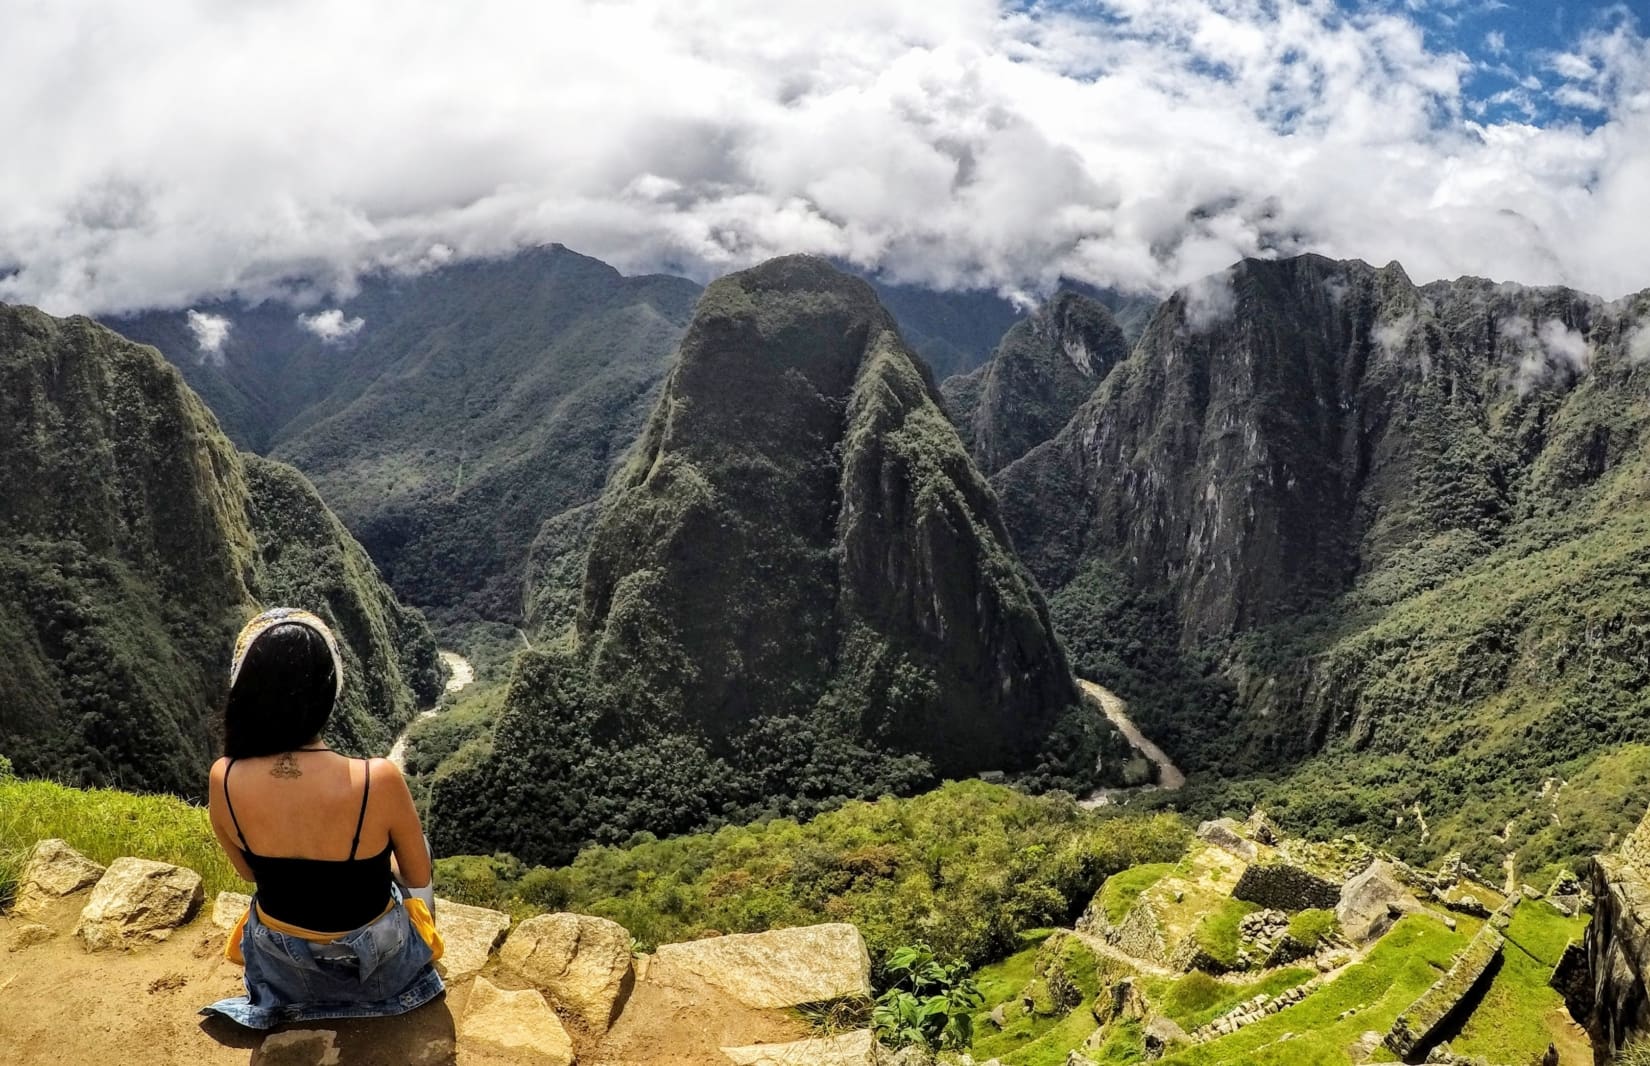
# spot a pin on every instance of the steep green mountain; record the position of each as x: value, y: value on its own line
x: 469, y: 406
x: 1045, y: 367
x: 1403, y: 530
x: 798, y: 590
x: 134, y: 541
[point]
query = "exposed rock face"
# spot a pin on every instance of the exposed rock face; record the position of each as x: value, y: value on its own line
x: 893, y: 551
x: 135, y: 543
x: 1164, y: 1035
x: 29, y: 934
x: 469, y: 934
x: 228, y: 909
x: 1613, y: 1002
x: 849, y: 1049
x: 138, y: 901
x: 53, y: 870
x: 299, y: 1047
x: 1226, y: 834
x: 1304, y: 435
x: 780, y: 968
x: 519, y: 1024
x: 1120, y: 1000
x: 1043, y: 370
x: 582, y: 961
x: 1371, y: 901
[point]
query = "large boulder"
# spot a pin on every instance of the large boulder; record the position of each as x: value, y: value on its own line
x: 470, y: 935
x: 780, y: 968
x: 1371, y: 901
x: 138, y: 902
x: 583, y: 962
x: 517, y: 1024
x: 1162, y: 1036
x: 859, y: 1048
x: 1227, y: 834
x: 229, y: 908
x: 53, y: 870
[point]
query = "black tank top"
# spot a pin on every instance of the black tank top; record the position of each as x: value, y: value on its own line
x: 321, y: 895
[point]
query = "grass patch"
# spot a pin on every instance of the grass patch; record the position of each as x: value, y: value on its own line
x: 105, y: 824
x: 1519, y: 1014
x: 1217, y: 932
x: 1039, y: 1036
x: 1121, y: 890
x: 1198, y: 999
x: 1312, y: 927
x: 1402, y: 966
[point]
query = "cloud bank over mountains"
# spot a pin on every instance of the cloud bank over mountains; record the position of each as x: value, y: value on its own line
x: 163, y: 153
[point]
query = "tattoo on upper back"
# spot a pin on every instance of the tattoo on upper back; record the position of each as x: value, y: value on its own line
x: 286, y: 766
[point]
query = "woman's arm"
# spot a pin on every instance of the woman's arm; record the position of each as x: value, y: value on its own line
x: 412, y: 852
x: 222, y: 827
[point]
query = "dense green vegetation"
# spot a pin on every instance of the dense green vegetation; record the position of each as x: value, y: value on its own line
x: 798, y: 591
x: 965, y: 868
x: 134, y: 542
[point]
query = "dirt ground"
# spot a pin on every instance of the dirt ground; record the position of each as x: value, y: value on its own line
x: 62, y: 1006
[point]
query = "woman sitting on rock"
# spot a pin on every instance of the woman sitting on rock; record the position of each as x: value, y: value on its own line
x: 330, y: 841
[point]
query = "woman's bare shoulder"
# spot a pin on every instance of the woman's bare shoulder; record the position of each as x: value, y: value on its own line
x: 383, y: 770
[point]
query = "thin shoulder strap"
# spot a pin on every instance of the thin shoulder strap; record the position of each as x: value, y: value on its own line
x: 365, y: 792
x: 231, y: 805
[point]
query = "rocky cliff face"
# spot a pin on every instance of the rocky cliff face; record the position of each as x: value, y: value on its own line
x: 1610, y: 997
x: 1043, y: 370
x: 135, y: 542
x: 798, y: 570
x: 1370, y: 510
x: 1290, y: 425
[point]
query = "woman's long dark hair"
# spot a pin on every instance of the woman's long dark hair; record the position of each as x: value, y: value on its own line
x: 282, y: 696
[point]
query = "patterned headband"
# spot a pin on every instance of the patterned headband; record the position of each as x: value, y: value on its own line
x: 279, y: 616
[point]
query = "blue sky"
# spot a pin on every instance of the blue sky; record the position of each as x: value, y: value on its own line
x: 166, y: 153
x: 1513, y: 45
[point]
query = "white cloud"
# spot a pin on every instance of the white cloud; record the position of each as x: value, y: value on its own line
x: 210, y: 332
x: 1392, y: 337
x: 331, y: 326
x: 1638, y: 344
x: 1210, y: 301
x: 1496, y: 42
x: 1541, y: 351
x: 951, y: 142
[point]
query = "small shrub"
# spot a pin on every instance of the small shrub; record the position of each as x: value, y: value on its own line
x: 929, y: 1004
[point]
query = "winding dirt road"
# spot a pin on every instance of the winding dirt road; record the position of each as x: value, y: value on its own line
x: 1169, y: 777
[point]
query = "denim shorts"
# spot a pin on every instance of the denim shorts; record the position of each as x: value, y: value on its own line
x: 381, y: 969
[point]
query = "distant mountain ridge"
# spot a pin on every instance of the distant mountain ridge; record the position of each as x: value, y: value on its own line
x: 462, y: 422
x: 134, y: 541
x: 1045, y: 367
x: 471, y: 405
